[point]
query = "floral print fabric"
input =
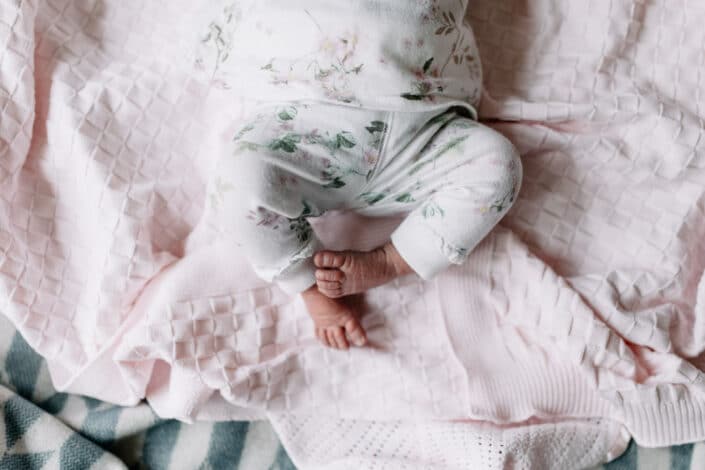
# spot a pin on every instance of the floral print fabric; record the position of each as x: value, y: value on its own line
x: 379, y: 54
x: 454, y: 177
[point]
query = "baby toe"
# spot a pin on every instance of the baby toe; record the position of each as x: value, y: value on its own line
x: 329, y: 275
x: 329, y: 285
x: 322, y: 337
x: 330, y: 334
x: 328, y: 259
x: 339, y: 336
x: 338, y: 260
x: 331, y: 290
x: 355, y: 332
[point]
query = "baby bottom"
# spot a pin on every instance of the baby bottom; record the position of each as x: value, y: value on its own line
x: 453, y: 177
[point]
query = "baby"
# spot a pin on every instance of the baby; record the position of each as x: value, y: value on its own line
x: 364, y: 105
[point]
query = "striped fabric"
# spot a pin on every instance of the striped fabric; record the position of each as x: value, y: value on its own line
x: 44, y: 429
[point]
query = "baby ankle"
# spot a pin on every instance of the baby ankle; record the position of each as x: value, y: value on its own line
x: 395, y: 261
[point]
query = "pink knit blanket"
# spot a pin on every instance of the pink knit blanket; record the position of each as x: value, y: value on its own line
x: 577, y: 323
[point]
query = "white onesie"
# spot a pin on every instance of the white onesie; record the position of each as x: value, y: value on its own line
x: 364, y: 105
x: 393, y: 55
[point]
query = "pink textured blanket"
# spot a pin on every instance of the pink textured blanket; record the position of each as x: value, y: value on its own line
x: 577, y: 323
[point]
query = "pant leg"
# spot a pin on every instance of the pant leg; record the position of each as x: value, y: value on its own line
x: 287, y: 164
x: 456, y: 179
x: 267, y: 219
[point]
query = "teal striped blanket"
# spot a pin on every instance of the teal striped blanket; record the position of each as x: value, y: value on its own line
x: 45, y: 429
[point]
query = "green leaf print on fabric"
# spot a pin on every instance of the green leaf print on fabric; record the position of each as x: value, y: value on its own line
x: 307, y: 209
x: 287, y: 143
x: 377, y: 131
x: 448, y: 24
x: 463, y: 124
x: 461, y: 50
x: 376, y: 126
x: 215, y: 36
x: 427, y: 84
x: 265, y: 218
x: 406, y: 197
x: 432, y: 210
x: 430, y: 76
x: 332, y: 66
x: 288, y: 113
x: 217, y: 195
x: 219, y: 40
x: 342, y: 139
x: 441, y: 151
x: 345, y: 139
x: 246, y: 146
x: 310, y: 209
x: 461, y: 252
x: 442, y: 119
x: 294, y: 141
x: 504, y: 202
x: 455, y: 254
x: 372, y: 197
x: 302, y: 229
x: 427, y: 65
x: 422, y: 91
x: 243, y: 131
x: 300, y: 225
x: 335, y: 183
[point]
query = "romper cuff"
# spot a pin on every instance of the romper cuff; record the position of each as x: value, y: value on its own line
x: 418, y: 245
x: 298, y: 278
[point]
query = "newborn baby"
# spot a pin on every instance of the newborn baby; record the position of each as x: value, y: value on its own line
x: 364, y: 105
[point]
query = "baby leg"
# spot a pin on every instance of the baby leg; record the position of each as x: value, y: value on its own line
x: 475, y: 173
x: 269, y: 223
x: 264, y: 214
x: 290, y: 163
x: 457, y: 187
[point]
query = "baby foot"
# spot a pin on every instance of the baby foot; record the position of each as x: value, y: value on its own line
x: 343, y: 273
x: 333, y: 320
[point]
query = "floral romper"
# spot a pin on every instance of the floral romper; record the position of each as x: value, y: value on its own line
x: 367, y: 105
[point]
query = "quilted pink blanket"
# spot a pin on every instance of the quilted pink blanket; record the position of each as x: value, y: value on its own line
x: 578, y: 323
